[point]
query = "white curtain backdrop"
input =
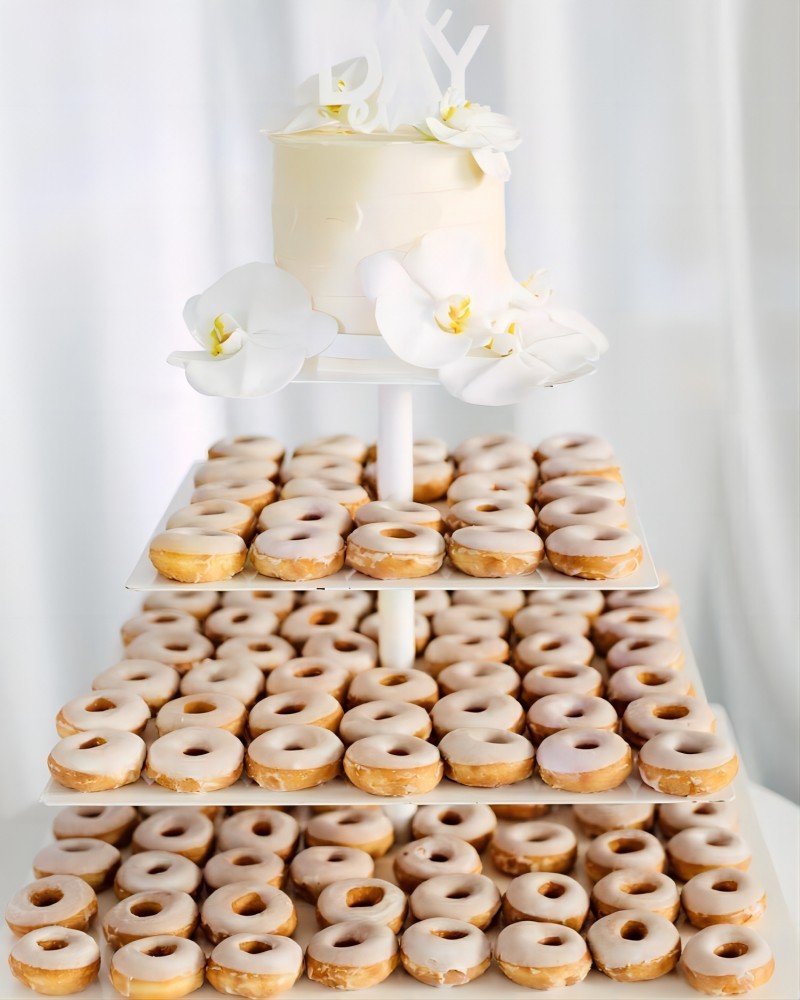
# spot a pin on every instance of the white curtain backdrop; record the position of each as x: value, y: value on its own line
x: 657, y: 181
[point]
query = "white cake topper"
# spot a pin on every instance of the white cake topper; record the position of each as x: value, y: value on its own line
x: 456, y: 62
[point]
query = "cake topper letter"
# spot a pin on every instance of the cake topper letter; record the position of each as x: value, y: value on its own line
x: 456, y: 62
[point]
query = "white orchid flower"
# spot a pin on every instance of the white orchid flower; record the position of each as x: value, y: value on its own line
x: 355, y: 109
x: 434, y: 304
x: 256, y: 327
x: 476, y: 127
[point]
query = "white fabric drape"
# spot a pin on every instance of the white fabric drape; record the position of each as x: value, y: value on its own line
x: 656, y: 181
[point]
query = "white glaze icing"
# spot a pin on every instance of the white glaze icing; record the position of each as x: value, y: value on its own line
x: 580, y: 486
x: 739, y: 890
x: 630, y: 683
x: 614, y: 817
x: 663, y: 599
x: 237, y: 679
x: 296, y: 748
x: 355, y: 652
x: 199, y: 603
x: 446, y: 649
x: 219, y: 912
x: 316, y: 867
x: 428, y: 602
x: 358, y: 602
x: 387, y: 684
x: 112, y: 753
x: 636, y: 888
x: 306, y: 673
x: 247, y: 446
x: 179, y: 830
x: 469, y: 822
x: 339, y: 490
x: 163, y: 911
x: 567, y: 678
x: 292, y: 708
x: 155, y: 870
x: 594, y: 541
x: 370, y: 626
x: 330, y: 466
x: 442, y: 945
x: 383, y: 717
x: 657, y: 713
x: 392, y: 752
x: 477, y: 707
x: 437, y: 854
x: 93, y: 821
x: 324, y: 513
x: 269, y: 829
x: 507, y: 602
x: 343, y: 901
x: 608, y: 946
x: 76, y: 949
x: 349, y: 827
x: 152, y: 621
x: 573, y: 465
x: 580, y: 602
x: 487, y: 485
x: 398, y: 512
x: 254, y: 492
x: 49, y: 901
x: 469, y: 619
x: 548, y: 896
x: 279, y: 602
x: 632, y: 623
x: 298, y: 541
x: 523, y: 944
x: 477, y: 747
x: 591, y: 510
x: 222, y: 515
x: 553, y: 648
x: 353, y: 944
x: 346, y: 445
x: 568, y: 711
x: 266, y: 652
x: 687, y: 750
x: 174, y: 755
x: 171, y: 646
x: 501, y: 458
x: 534, y: 839
x: 481, y: 442
x: 158, y: 959
x: 153, y: 681
x: 431, y: 449
x: 243, y: 864
x: 106, y: 708
x: 675, y: 816
x: 274, y: 956
x: 701, y: 952
x: 79, y: 856
x: 479, y: 674
x: 217, y: 470
x: 457, y: 896
x: 578, y: 751
x: 213, y: 709
x: 549, y: 618
x: 627, y: 849
x: 386, y: 538
x: 512, y: 541
x: 645, y: 652
x: 314, y: 619
x: 432, y: 477
x: 232, y: 622
x: 709, y: 846
x: 575, y: 445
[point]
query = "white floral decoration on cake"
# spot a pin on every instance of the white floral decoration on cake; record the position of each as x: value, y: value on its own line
x: 491, y: 339
x: 476, y: 127
x: 256, y: 327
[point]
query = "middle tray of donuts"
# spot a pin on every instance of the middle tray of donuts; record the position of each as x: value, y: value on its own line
x: 273, y: 697
x: 396, y: 901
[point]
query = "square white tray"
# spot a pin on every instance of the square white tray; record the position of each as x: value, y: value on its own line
x: 146, y: 577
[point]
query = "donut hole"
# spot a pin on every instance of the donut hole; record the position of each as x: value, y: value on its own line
x: 487, y: 508
x: 450, y: 935
x: 255, y: 947
x: 397, y: 533
x: 165, y: 618
x: 587, y: 744
x: 451, y: 818
x: 633, y: 930
x: 249, y: 905
x: 241, y: 616
x: 476, y: 708
x: 552, y: 890
x: 670, y: 711
x: 439, y: 857
x: 323, y: 617
x: 458, y: 894
x: 385, y: 713
x: 641, y: 644
x: 650, y: 680
x: 727, y: 886
x: 289, y: 710
x: 46, y: 897
x: 263, y: 828
x: 199, y: 708
x: 561, y: 674
x: 160, y: 950
x: 139, y: 677
x: 335, y: 858
x: 195, y: 752
x: 606, y: 535
x: 719, y: 840
x: 259, y: 647
x: 147, y: 908
x: 75, y: 848
x: 349, y: 819
x: 574, y: 713
x: 52, y: 944
x: 731, y: 949
x: 499, y: 738
x: 158, y: 870
x: 364, y: 895
x: 471, y: 640
x: 293, y: 747
x: 309, y: 672
x: 177, y: 647
x: 687, y: 749
x: 398, y: 752
x: 551, y: 942
x: 551, y: 644
x: 346, y: 942
x: 638, y: 888
x: 100, y: 705
x: 93, y: 743
x: 344, y: 646
x: 393, y: 680
x: 86, y: 812
x: 174, y: 831
x: 625, y: 846
x: 299, y: 536
x: 244, y: 860
x: 310, y: 517
x: 705, y: 809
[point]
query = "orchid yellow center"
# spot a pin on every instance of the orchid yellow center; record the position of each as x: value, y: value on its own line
x: 453, y: 314
x: 224, y: 328
x: 503, y: 343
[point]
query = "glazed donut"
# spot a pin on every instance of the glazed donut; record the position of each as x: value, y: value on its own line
x: 631, y: 683
x: 486, y: 758
x: 255, y: 493
x: 488, y: 486
x: 319, y: 619
x: 507, y: 602
x: 661, y: 713
x: 542, y: 955
x: 300, y: 511
x: 438, y: 854
x: 152, y: 621
x: 469, y: 619
x: 247, y: 908
x: 309, y: 673
x: 368, y: 829
x: 634, y: 945
x: 391, y: 550
x: 623, y: 849
x: 593, y: 511
x: 183, y: 831
x: 384, y: 718
x: 573, y: 465
x: 636, y: 889
x: 701, y: 848
x: 94, y: 861
x: 292, y: 757
x: 665, y: 654
x: 199, y: 603
x: 444, y: 650
x: 579, y: 486
x: 594, y: 552
x: 217, y: 711
x: 552, y: 648
x: 265, y: 652
x: 470, y: 897
x: 357, y: 602
x: 477, y: 707
x: 584, y: 760
x: 568, y: 679
x: 355, y: 652
x: 247, y: 446
x: 688, y: 762
x: 114, y: 824
x: 232, y: 622
x: 178, y: 648
x: 549, y: 618
x: 352, y: 955
x: 221, y: 515
x: 727, y: 959
x: 676, y: 816
x: 490, y: 512
x: 153, y: 871
x: 155, y: 683
x: 197, y: 555
x: 495, y: 551
x: 279, y: 602
x: 723, y: 896
x: 440, y: 951
x: 386, y: 684
x: 330, y: 466
x: 428, y: 602
x: 96, y: 760
x: 573, y: 445
x: 195, y: 759
x: 255, y: 965
x: 364, y: 899
x: 350, y: 495
x: 55, y: 901
x: 471, y: 675
x: 431, y: 449
x: 534, y: 846
x: 55, y: 960
x: 519, y: 810
x: 268, y: 829
x: 630, y: 623
x: 145, y: 914
x: 344, y: 445
x: 235, y: 679
x: 481, y: 442
x: 244, y: 864
x: 217, y: 470
x: 431, y: 480
x: 663, y: 600
x: 394, y: 765
x: 316, y: 867
x: 497, y: 457
x: 555, y: 712
x: 548, y: 897
x: 139, y: 967
x: 297, y: 552
x: 289, y: 708
x: 597, y: 819
x: 370, y: 627
x: 588, y: 603
x: 473, y: 823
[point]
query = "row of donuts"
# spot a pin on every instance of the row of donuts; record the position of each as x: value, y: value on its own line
x: 486, y: 528
x: 626, y: 920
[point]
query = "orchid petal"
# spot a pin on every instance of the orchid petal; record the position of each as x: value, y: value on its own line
x: 493, y: 163
x: 253, y: 371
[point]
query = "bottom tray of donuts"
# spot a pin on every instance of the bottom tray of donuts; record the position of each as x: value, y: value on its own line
x: 536, y: 875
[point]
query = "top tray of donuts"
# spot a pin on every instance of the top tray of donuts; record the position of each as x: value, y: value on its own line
x: 494, y: 507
